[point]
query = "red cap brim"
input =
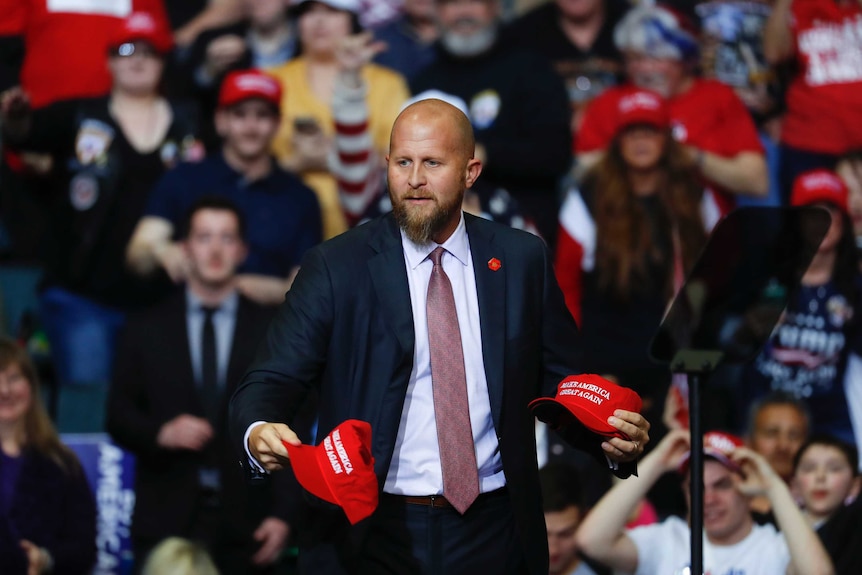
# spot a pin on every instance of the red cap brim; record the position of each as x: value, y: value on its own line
x: 555, y: 414
x: 306, y: 467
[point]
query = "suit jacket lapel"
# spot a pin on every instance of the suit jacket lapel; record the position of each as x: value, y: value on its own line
x: 241, y: 332
x: 177, y: 339
x: 491, y: 291
x: 389, y: 277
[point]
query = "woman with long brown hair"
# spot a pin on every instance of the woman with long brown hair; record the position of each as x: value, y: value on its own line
x: 627, y: 237
x: 47, y: 511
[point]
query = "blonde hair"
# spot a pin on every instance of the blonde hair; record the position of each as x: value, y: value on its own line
x: 37, y: 431
x: 178, y: 556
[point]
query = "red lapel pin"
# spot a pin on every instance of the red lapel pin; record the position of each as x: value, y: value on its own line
x: 494, y: 264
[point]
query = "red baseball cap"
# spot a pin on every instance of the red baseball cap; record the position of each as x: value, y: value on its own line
x: 642, y: 107
x: 817, y: 186
x: 340, y: 470
x: 242, y: 85
x: 719, y: 446
x: 143, y: 27
x: 589, y: 399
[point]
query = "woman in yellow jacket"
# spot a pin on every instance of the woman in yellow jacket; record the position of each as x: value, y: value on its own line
x: 304, y: 141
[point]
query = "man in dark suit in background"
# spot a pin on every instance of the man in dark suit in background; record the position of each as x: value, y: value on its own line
x: 176, y: 368
x: 362, y: 324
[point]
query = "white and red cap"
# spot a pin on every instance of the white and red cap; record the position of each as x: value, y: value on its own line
x: 589, y: 399
x: 241, y: 85
x: 818, y: 186
x: 642, y: 107
x: 717, y: 445
x: 142, y: 27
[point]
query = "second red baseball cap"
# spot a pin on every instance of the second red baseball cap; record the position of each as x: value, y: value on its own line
x: 242, y: 85
x: 719, y: 446
x: 340, y: 470
x: 642, y: 107
x: 590, y: 399
x: 143, y: 27
x: 817, y: 186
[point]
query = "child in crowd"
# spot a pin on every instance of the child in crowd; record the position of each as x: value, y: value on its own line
x: 826, y: 481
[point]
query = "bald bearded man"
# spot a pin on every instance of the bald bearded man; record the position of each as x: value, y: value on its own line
x: 355, y: 326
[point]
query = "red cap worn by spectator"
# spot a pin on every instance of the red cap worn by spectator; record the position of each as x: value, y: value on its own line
x: 719, y: 446
x: 589, y: 399
x: 142, y: 27
x: 818, y: 186
x: 246, y: 84
x: 642, y: 107
x: 340, y: 470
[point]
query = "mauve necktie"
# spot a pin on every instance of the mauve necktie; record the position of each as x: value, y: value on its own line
x: 452, y: 411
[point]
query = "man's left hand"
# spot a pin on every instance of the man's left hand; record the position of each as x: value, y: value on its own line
x: 272, y: 535
x: 635, y: 427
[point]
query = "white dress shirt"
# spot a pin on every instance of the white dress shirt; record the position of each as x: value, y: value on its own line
x: 415, y: 467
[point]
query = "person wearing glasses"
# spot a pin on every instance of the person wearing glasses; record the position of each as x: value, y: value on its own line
x: 100, y: 157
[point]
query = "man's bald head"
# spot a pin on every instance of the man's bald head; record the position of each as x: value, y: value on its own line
x: 433, y: 111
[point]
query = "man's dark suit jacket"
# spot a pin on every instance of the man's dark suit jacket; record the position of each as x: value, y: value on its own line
x: 346, y: 327
x: 153, y: 383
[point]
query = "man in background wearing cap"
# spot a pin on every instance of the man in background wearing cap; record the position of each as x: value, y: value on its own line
x: 362, y: 324
x: 733, y: 542
x: 517, y: 105
x: 661, y: 50
x: 168, y: 406
x: 283, y: 213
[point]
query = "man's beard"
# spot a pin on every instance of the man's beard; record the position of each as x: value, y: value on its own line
x: 464, y: 46
x: 419, y: 228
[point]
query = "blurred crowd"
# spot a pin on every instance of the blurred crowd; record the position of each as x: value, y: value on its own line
x: 165, y: 165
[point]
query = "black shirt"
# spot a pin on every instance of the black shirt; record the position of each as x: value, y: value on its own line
x: 99, y: 189
x: 520, y: 114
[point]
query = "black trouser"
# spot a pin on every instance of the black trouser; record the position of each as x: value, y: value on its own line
x: 407, y: 538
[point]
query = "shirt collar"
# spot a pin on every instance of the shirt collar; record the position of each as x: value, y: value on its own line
x: 456, y: 244
x: 228, y: 304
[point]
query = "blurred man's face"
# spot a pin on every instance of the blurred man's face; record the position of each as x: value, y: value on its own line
x: 562, y: 547
x: 214, y: 247
x: 247, y: 128
x: 663, y: 75
x: 778, y: 433
x: 468, y: 27
x: 726, y: 516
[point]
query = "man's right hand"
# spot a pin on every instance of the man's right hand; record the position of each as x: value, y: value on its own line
x: 265, y: 444
x: 185, y: 432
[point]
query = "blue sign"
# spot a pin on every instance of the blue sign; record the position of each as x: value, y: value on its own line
x: 110, y: 471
